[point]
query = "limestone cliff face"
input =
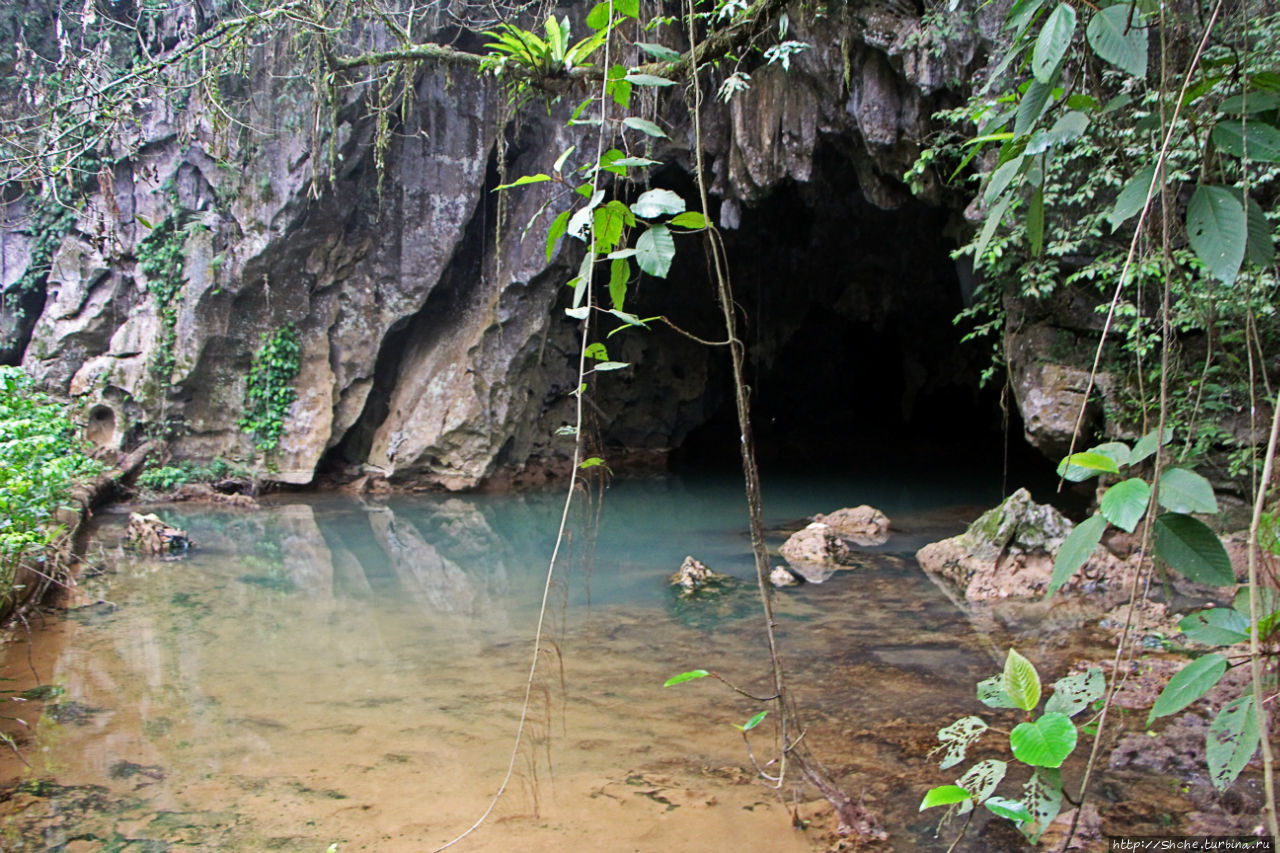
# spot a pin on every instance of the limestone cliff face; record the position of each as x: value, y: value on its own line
x: 433, y: 344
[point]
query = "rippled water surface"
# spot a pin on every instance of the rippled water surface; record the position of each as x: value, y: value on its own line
x: 334, y: 670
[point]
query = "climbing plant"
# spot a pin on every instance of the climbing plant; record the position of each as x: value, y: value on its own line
x: 269, y: 390
x: 161, y: 259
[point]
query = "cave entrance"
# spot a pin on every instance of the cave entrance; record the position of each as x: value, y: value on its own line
x: 854, y: 360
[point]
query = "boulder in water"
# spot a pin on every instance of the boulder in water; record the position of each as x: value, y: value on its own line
x: 694, y: 577
x: 149, y: 534
x: 815, y: 552
x: 863, y: 525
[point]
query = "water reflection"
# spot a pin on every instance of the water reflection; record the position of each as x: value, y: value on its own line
x: 338, y: 669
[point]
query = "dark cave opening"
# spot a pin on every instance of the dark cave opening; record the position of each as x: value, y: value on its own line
x: 855, y: 362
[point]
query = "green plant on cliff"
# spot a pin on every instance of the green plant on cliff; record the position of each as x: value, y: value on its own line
x: 161, y: 258
x: 269, y: 389
x: 40, y: 462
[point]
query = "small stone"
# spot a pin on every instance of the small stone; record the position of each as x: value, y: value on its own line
x: 782, y: 577
x: 694, y: 576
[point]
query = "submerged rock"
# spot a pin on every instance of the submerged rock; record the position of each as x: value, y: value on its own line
x: 863, y: 525
x: 781, y: 576
x: 694, y: 577
x: 818, y: 545
x: 148, y: 534
x: 1008, y: 551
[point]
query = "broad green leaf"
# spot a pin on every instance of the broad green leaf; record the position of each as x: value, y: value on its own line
x: 1081, y: 466
x: 591, y: 462
x: 655, y: 203
x: 1218, y: 230
x: 1249, y: 103
x: 629, y: 319
x: 1186, y: 491
x: 1053, y: 42
x: 1147, y: 445
x: 579, y: 313
x: 596, y: 352
x: 686, y: 676
x: 1231, y: 741
x: 1260, y: 250
x: 1132, y: 197
x: 1031, y: 107
x: 598, y: 17
x: 956, y: 739
x: 636, y: 161
x: 521, y: 181
x: 659, y: 51
x: 644, y: 126
x: 609, y: 222
x: 1035, y: 222
x: 1008, y: 809
x: 989, y: 228
x: 1042, y: 796
x: 1192, y: 681
x: 1020, y: 15
x: 612, y: 161
x: 648, y: 80
x: 754, y: 721
x: 944, y: 795
x: 627, y: 8
x: 606, y: 366
x: 619, y: 275
x: 1125, y: 503
x: 1117, y: 451
x: 981, y: 780
x: 1021, y: 681
x: 582, y: 282
x: 991, y: 693
x: 1252, y: 138
x: 558, y: 226
x: 1044, y: 743
x: 1069, y: 127
x: 691, y: 219
x: 1000, y: 179
x: 1074, y: 693
x: 146, y: 223
x: 655, y: 250
x: 1076, y: 550
x: 557, y: 35
x: 1111, y: 37
x: 1268, y: 608
x: 1192, y: 550
x: 1219, y: 626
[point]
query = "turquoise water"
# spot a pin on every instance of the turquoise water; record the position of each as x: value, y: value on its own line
x: 330, y: 669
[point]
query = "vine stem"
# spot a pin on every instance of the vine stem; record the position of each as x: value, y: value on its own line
x: 569, y: 492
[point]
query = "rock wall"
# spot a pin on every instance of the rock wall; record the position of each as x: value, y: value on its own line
x: 433, y: 347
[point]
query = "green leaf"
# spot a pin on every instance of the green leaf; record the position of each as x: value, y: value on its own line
x: 146, y: 223
x: 1132, y: 197
x: 598, y: 17
x: 1218, y: 230
x: 1081, y: 466
x: 1111, y: 37
x: 609, y: 222
x: 1020, y: 15
x: 1021, y: 681
x: 558, y: 227
x: 1219, y: 626
x: 1035, y: 222
x: 1042, y: 796
x: 1000, y: 179
x: 619, y: 275
x: 1053, y: 42
x: 981, y: 781
x: 1117, y: 451
x: 1044, y: 743
x: 644, y: 126
x: 1231, y: 741
x: 1075, y: 551
x: 1250, y: 138
x: 1147, y: 445
x: 591, y: 462
x: 989, y: 229
x: 579, y: 313
x: 596, y: 351
x: 1186, y: 491
x: 1192, y: 681
x: 627, y: 8
x: 691, y: 219
x: 655, y: 203
x: 655, y: 250
x: 1192, y: 550
x: 564, y: 156
x: 629, y: 319
x: 606, y: 366
x: 1125, y: 503
x: 991, y: 693
x: 1031, y: 107
x: 659, y: 51
x: 686, y: 676
x: 1260, y: 249
x: 521, y: 181
x: 944, y: 795
x: 1249, y: 103
x: 612, y: 161
x: 957, y: 738
x: 648, y: 80
x: 754, y: 721
x: 1074, y: 693
x: 637, y: 161
x: 1268, y: 607
x: 1008, y: 809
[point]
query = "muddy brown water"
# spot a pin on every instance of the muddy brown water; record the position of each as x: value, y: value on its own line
x: 331, y: 671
